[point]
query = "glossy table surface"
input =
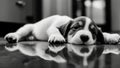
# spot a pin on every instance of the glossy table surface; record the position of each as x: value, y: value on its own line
x: 32, y: 54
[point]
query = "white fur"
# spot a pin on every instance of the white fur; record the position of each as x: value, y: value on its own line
x: 44, y: 29
x: 88, y: 21
x: 111, y: 38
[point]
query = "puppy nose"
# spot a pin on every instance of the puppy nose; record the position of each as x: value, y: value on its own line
x: 84, y: 38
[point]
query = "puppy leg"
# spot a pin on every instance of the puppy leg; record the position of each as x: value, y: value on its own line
x: 55, y: 35
x: 22, y: 32
x: 56, y: 39
x: 111, y: 38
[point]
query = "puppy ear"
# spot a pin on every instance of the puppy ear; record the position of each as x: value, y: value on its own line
x: 64, y: 29
x: 100, y: 37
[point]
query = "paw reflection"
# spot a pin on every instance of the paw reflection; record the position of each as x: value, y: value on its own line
x: 113, y: 49
x: 36, y: 49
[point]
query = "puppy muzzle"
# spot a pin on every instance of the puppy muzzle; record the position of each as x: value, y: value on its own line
x: 81, y: 37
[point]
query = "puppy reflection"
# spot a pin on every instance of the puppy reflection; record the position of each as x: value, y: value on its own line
x: 39, y: 49
x: 76, y: 55
x: 83, y: 54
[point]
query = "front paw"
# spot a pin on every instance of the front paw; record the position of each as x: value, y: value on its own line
x: 57, y: 42
x: 12, y: 38
x: 56, y: 39
x: 113, y: 39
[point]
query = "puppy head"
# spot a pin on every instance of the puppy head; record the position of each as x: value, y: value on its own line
x: 84, y: 31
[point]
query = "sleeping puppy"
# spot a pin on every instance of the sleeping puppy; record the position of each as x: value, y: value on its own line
x: 60, y: 29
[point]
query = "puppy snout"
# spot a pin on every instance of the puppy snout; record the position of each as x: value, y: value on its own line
x: 84, y: 38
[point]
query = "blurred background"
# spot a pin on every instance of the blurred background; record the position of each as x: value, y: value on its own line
x: 105, y: 13
x: 15, y: 13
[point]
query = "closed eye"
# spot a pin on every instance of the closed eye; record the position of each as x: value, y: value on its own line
x: 74, y: 29
x: 76, y: 26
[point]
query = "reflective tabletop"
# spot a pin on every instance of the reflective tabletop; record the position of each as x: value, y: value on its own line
x: 36, y: 54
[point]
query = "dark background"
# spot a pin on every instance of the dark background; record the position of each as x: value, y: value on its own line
x: 14, y: 15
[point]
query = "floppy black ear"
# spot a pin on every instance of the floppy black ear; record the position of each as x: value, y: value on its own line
x: 64, y: 29
x: 100, y: 37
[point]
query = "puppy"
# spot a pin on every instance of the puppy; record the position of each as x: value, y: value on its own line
x: 60, y: 29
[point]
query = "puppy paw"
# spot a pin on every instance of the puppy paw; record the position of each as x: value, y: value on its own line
x: 56, y: 39
x: 12, y: 38
x: 112, y: 38
x: 56, y: 43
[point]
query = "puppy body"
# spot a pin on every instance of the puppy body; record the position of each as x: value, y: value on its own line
x: 42, y: 30
x: 48, y: 28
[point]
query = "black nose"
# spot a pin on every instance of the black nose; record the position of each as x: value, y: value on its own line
x: 84, y: 38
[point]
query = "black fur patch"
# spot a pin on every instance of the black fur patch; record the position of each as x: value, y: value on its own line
x: 64, y: 29
x: 97, y: 33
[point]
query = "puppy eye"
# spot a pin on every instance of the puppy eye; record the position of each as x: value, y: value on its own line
x: 74, y: 28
